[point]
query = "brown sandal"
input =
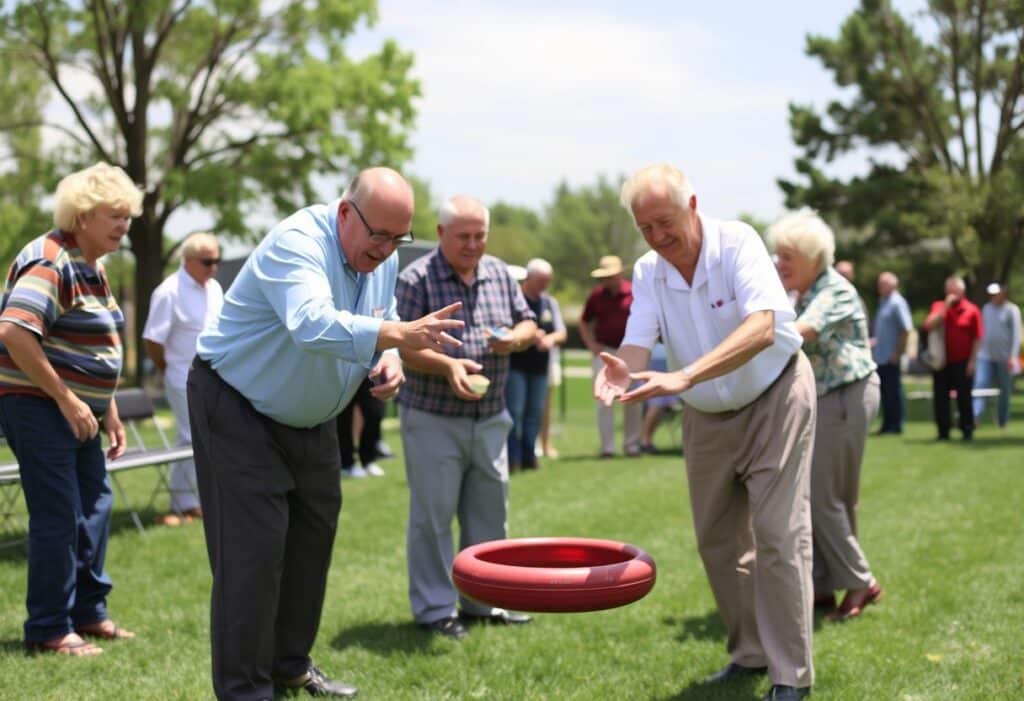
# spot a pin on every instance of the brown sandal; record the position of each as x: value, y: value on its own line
x: 106, y: 630
x: 63, y: 646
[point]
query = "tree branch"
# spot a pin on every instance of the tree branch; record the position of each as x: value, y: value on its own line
x: 51, y: 68
x: 1007, y: 129
x: 979, y: 57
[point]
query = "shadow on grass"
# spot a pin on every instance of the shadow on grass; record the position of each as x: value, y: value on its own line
x: 740, y: 690
x: 14, y: 542
x: 389, y: 639
x: 12, y: 647
x: 706, y: 627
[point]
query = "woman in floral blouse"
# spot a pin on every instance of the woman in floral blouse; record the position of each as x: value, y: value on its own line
x: 831, y: 319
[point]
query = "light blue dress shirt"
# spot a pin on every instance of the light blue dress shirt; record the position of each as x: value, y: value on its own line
x: 891, y: 320
x: 298, y: 330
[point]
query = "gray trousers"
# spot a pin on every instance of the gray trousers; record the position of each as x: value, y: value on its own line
x: 844, y: 417
x: 456, y: 467
x: 750, y: 482
x: 184, y: 493
x: 271, y: 496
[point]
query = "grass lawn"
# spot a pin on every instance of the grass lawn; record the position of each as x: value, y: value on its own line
x: 941, y: 525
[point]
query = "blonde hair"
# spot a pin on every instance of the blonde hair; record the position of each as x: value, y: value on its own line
x: 648, y: 177
x: 806, y: 232
x: 85, y: 190
x: 198, y: 241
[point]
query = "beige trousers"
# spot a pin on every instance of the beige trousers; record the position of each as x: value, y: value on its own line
x: 632, y: 418
x: 750, y: 481
x: 844, y: 417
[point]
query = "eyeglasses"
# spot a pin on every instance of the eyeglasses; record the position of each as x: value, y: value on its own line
x: 378, y: 239
x: 209, y: 262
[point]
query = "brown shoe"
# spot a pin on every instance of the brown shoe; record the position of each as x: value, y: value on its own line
x: 855, y: 601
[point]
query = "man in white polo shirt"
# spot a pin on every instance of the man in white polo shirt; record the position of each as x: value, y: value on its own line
x: 180, y: 308
x: 709, y: 290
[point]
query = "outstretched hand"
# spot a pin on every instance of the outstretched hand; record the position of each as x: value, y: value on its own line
x: 431, y: 331
x: 612, y: 380
x: 656, y: 384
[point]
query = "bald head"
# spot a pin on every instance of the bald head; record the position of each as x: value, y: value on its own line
x: 378, y: 203
x: 887, y: 283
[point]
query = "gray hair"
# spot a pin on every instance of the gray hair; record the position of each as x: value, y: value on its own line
x: 197, y: 242
x: 806, y: 232
x: 651, y: 176
x: 462, y: 204
x: 539, y: 266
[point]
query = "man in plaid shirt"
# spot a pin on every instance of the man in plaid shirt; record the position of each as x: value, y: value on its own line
x: 455, y: 435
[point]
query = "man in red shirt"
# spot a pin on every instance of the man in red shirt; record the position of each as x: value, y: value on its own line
x: 962, y: 326
x: 602, y: 326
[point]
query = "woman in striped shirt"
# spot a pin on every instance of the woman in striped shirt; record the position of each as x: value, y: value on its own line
x: 60, y: 359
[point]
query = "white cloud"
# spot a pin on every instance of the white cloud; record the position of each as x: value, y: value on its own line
x: 518, y: 98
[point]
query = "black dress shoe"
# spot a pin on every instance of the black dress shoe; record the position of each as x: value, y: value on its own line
x: 500, y: 618
x: 316, y: 683
x: 450, y: 627
x: 732, y: 672
x: 781, y: 692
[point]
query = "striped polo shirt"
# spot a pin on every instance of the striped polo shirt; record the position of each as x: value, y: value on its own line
x: 54, y: 293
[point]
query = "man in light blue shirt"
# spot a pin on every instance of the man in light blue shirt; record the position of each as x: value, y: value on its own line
x: 310, y: 316
x: 998, y: 357
x: 892, y: 326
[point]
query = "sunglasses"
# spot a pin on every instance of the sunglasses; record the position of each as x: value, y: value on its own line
x: 209, y: 262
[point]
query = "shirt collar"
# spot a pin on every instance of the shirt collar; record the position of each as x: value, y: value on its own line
x: 709, y: 257
x: 332, y: 225
x: 184, y: 277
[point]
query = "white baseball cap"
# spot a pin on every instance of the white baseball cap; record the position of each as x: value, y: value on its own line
x: 993, y: 288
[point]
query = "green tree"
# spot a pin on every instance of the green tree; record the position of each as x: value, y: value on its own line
x: 25, y: 178
x: 229, y: 105
x: 941, y: 119
x: 584, y: 224
x: 514, y: 234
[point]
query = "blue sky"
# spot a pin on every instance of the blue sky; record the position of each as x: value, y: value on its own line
x: 521, y: 95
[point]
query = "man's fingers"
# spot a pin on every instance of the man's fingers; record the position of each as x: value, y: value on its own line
x: 451, y: 323
x: 449, y: 340
x: 448, y: 311
x: 607, y: 357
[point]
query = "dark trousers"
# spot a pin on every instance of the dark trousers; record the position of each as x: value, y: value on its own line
x: 271, y: 496
x: 953, y: 376
x: 372, y: 410
x: 892, y: 397
x: 69, y: 504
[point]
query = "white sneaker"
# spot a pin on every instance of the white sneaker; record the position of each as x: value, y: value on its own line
x: 374, y: 470
x: 354, y: 471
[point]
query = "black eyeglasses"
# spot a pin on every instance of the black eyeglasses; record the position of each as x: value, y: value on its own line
x: 378, y: 239
x: 209, y: 262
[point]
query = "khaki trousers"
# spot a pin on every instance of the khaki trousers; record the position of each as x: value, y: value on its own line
x: 750, y: 480
x: 844, y: 417
x: 632, y: 418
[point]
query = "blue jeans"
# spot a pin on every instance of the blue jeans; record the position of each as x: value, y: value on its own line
x: 69, y: 504
x: 892, y: 397
x: 988, y: 373
x: 524, y: 395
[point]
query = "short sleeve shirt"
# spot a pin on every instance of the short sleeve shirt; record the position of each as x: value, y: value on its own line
x: 179, y: 310
x: 842, y: 352
x: 733, y: 279
x: 53, y: 292
x: 891, y: 321
x: 494, y: 300
x: 609, y: 311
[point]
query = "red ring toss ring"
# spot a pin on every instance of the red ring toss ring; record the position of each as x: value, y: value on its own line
x: 559, y: 575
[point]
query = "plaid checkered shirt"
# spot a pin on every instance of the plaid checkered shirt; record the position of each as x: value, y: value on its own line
x: 493, y: 300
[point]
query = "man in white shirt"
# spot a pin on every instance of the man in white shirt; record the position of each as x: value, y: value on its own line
x: 999, y: 355
x: 180, y: 308
x: 709, y: 291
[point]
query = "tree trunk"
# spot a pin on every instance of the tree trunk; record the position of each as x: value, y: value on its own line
x: 147, y: 246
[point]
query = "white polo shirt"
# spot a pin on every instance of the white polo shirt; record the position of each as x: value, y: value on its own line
x: 178, y: 311
x: 734, y: 277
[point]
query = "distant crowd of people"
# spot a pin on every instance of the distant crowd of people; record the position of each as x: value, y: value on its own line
x: 765, y: 350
